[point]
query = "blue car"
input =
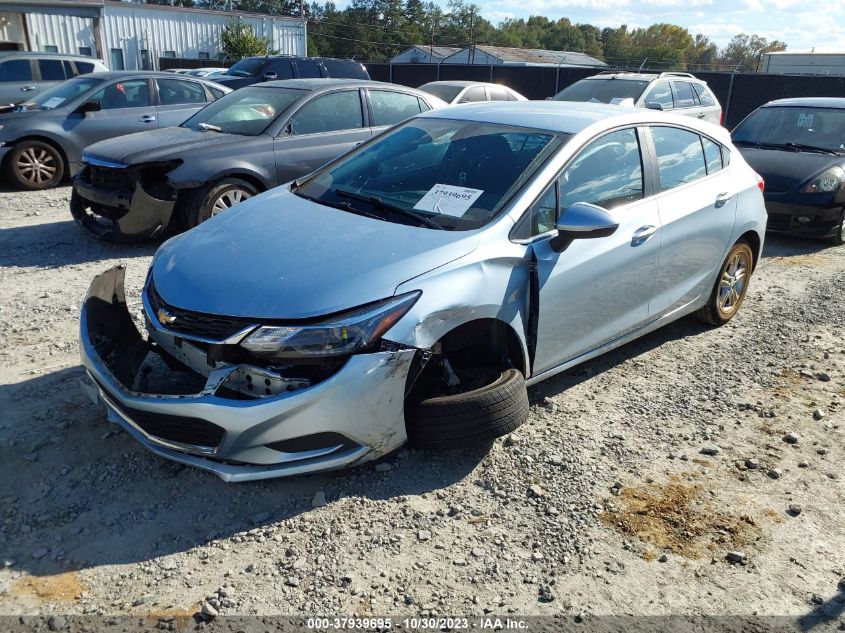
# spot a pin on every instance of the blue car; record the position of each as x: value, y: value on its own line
x: 413, y: 288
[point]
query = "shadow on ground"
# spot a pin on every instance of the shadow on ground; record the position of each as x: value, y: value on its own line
x: 60, y: 244
x: 778, y: 245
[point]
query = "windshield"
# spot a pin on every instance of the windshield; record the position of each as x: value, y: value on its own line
x: 62, y: 94
x: 247, y: 111
x: 247, y: 67
x: 442, y: 91
x: 773, y: 125
x: 602, y: 90
x: 445, y: 174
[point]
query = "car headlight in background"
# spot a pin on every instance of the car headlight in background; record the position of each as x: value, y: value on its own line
x: 830, y: 180
x: 341, y: 335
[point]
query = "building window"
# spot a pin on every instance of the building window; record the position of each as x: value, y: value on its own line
x: 51, y: 48
x: 85, y: 50
x: 204, y: 56
x: 145, y: 59
x: 117, y: 59
x: 170, y: 54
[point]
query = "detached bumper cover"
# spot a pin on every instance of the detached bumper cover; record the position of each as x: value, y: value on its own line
x: 354, y: 416
x: 120, y: 211
x: 785, y: 209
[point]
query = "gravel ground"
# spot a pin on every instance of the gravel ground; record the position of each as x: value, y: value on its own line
x: 694, y: 471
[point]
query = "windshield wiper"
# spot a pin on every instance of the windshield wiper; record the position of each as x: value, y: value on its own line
x: 812, y: 148
x: 386, y: 206
x: 208, y: 127
x: 343, y: 206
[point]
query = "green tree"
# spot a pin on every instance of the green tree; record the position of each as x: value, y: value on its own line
x: 239, y: 40
x: 746, y: 51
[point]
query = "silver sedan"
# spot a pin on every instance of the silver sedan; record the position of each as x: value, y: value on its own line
x: 413, y: 288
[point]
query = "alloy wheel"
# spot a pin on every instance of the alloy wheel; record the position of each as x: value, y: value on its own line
x: 36, y: 165
x: 228, y: 199
x: 733, y: 281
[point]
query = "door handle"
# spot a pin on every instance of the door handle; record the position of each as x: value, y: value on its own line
x: 642, y: 234
x: 701, y: 115
x: 723, y: 198
x: 147, y: 118
x: 27, y: 88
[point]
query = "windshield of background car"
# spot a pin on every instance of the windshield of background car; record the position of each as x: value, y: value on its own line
x: 441, y: 91
x: 602, y: 90
x: 246, y: 67
x: 819, y: 127
x: 63, y: 93
x: 247, y: 111
x: 456, y: 175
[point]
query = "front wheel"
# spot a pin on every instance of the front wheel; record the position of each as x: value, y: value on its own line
x: 838, y: 238
x: 35, y: 165
x: 731, y: 286
x: 218, y: 198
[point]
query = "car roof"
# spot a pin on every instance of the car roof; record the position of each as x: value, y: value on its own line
x: 817, y: 102
x: 127, y: 74
x: 72, y: 56
x: 333, y: 59
x: 637, y: 76
x: 569, y: 117
x: 458, y: 82
x: 318, y: 83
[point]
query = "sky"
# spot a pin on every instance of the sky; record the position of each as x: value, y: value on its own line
x: 801, y: 24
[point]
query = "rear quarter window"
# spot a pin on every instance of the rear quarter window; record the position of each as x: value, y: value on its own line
x: 704, y: 95
x: 346, y: 69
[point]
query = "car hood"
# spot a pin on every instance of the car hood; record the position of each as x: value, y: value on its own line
x: 279, y: 256
x: 156, y: 145
x: 783, y: 170
x: 234, y: 82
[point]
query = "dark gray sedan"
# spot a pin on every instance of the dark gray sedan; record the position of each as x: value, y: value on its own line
x: 249, y: 141
x: 42, y: 140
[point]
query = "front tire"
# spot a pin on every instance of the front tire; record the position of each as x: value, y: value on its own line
x: 35, y: 165
x: 838, y: 238
x: 481, y: 414
x: 218, y: 198
x: 731, y: 286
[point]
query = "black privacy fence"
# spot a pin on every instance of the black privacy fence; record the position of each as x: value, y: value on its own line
x: 175, y: 63
x: 738, y: 93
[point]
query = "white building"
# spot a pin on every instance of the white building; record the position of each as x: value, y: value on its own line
x: 132, y: 36
x: 424, y: 54
x: 815, y: 61
x: 496, y: 55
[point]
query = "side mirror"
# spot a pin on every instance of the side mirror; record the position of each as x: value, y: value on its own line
x: 583, y: 221
x: 89, y: 106
x: 269, y: 76
x: 654, y: 105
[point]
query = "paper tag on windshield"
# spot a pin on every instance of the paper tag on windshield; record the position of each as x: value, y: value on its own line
x: 617, y: 100
x: 805, y: 119
x: 448, y: 200
x: 55, y: 102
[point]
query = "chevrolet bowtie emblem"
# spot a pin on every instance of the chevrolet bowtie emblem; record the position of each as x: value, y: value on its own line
x: 164, y: 317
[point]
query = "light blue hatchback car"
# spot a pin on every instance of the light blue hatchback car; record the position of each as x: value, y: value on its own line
x: 411, y: 289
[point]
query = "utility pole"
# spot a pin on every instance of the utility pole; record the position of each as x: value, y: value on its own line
x: 471, y: 38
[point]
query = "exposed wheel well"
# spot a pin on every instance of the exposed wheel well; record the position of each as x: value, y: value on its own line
x: 753, y: 240
x: 478, y: 348
x: 255, y: 182
x: 48, y: 141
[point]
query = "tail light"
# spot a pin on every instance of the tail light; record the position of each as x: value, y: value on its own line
x: 761, y: 184
x: 721, y: 117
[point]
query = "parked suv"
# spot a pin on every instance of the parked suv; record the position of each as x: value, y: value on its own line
x: 24, y: 75
x: 681, y: 93
x: 252, y: 70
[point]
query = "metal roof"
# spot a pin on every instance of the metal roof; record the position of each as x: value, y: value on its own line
x: 539, y: 56
x: 434, y: 51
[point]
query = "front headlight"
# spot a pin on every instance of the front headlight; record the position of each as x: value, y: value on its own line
x: 342, y: 335
x: 830, y: 180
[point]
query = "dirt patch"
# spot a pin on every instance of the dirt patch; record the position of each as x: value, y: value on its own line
x: 180, y: 616
x: 798, y: 260
x: 66, y: 587
x: 676, y: 516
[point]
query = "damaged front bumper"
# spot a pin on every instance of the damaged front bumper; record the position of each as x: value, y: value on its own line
x: 355, y: 415
x: 118, y: 203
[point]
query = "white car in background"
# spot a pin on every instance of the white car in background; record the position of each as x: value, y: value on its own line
x: 453, y: 92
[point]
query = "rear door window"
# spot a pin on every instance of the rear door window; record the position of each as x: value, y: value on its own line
x: 51, y: 70
x: 15, y: 70
x: 474, y: 94
x: 308, y: 68
x: 680, y: 156
x: 391, y: 107
x: 684, y: 96
x: 660, y: 93
x: 497, y: 93
x: 704, y: 95
x: 178, y: 91
x: 329, y: 113
x: 347, y: 69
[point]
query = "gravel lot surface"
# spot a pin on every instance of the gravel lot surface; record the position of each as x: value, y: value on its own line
x: 694, y: 471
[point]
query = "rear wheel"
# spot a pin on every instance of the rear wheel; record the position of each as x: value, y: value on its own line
x: 218, y: 198
x: 35, y: 165
x: 731, y: 286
